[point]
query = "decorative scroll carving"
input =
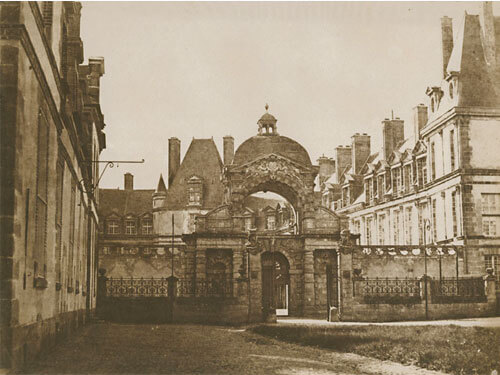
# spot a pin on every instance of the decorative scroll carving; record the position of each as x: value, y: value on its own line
x: 272, y: 167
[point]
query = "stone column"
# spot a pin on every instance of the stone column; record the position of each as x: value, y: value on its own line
x: 309, y: 282
x: 255, y: 288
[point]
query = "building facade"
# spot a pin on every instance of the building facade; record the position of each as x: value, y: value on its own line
x: 51, y: 138
x: 441, y: 183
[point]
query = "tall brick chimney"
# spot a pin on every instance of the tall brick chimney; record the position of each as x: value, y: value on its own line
x: 420, y: 118
x: 228, y: 149
x: 393, y: 133
x: 174, y: 158
x: 360, y: 151
x: 128, y: 181
x: 446, y: 40
x: 343, y: 158
x: 326, y: 169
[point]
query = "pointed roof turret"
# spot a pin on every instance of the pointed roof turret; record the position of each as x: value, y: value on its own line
x: 161, y: 186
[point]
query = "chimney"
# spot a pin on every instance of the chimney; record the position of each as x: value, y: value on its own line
x: 174, y: 158
x: 488, y: 33
x: 393, y: 134
x: 326, y: 169
x: 343, y: 155
x: 419, y: 119
x: 360, y: 151
x: 228, y: 149
x: 128, y: 181
x: 447, y: 41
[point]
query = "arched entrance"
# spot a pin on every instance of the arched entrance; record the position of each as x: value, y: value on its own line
x: 275, y: 282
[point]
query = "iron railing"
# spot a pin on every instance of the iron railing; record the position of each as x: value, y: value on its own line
x: 205, y: 288
x: 389, y: 290
x: 158, y: 287
x: 135, y: 287
x: 453, y: 290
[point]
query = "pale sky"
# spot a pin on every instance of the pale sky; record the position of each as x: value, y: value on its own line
x: 327, y: 70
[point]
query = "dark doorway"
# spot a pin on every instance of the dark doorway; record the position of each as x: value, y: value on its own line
x: 275, y: 283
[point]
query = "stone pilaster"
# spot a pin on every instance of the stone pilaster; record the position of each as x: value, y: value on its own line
x: 309, y: 282
x: 255, y: 289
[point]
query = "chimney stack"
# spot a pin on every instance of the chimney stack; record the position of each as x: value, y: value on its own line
x: 128, y: 181
x: 228, y: 149
x: 343, y: 156
x: 393, y: 134
x: 488, y: 30
x: 174, y: 158
x: 419, y: 119
x: 360, y: 151
x: 447, y: 41
x: 326, y: 169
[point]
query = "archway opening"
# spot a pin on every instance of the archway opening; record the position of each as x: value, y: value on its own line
x: 275, y: 282
x: 267, y: 211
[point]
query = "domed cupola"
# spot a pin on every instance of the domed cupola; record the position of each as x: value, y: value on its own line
x: 267, y: 124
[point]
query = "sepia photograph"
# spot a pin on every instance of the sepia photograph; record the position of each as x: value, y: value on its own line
x: 250, y: 187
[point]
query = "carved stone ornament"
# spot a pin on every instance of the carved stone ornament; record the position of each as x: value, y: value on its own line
x: 272, y: 167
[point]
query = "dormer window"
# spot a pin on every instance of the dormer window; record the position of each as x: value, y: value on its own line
x: 147, y: 226
x: 271, y: 222
x: 113, y: 227
x: 130, y: 227
x: 195, y: 191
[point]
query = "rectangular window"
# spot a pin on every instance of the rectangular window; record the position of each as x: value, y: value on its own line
x: 395, y: 227
x: 434, y: 220
x: 407, y: 177
x: 130, y: 227
x: 367, y: 191
x: 454, y: 213
x: 271, y: 222
x: 147, y: 226
x: 433, y: 161
x: 374, y: 187
x: 452, y: 150
x: 381, y: 232
x: 368, y: 230
x: 408, y: 231
x: 490, y: 203
x: 357, y: 227
x: 399, y: 185
x: 113, y: 227
x: 490, y: 225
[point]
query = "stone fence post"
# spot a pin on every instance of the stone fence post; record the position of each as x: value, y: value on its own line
x: 490, y: 287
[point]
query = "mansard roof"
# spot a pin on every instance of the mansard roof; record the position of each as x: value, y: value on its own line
x: 202, y: 160
x: 125, y: 202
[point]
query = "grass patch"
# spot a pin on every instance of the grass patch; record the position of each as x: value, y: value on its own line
x: 451, y: 349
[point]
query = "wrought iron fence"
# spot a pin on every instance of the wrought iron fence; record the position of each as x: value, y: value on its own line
x: 205, y: 288
x: 158, y: 287
x: 455, y: 290
x: 135, y: 287
x: 389, y: 290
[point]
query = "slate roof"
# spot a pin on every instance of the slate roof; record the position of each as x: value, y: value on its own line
x: 477, y: 86
x: 202, y: 160
x: 125, y: 202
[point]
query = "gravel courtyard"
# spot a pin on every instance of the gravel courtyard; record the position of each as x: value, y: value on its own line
x: 107, y: 348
